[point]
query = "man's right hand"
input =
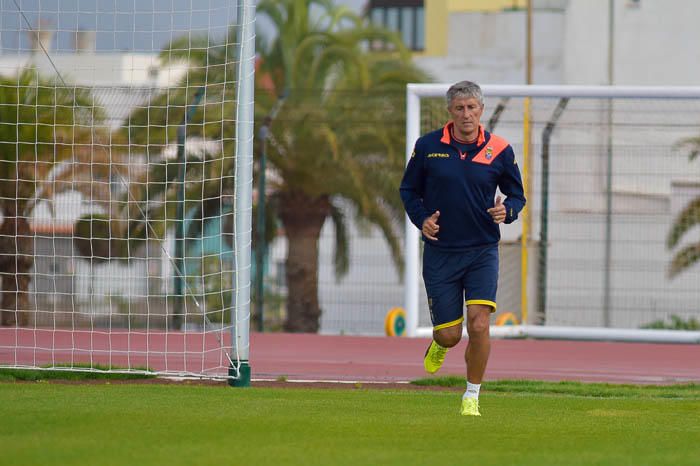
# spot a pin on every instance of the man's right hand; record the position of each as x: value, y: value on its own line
x: 430, y: 226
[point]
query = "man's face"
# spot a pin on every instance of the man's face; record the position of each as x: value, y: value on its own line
x: 466, y: 114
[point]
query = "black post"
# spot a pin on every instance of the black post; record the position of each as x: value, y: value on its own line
x: 179, y: 226
x: 261, y: 247
x: 496, y: 115
x: 544, y: 228
x: 179, y: 275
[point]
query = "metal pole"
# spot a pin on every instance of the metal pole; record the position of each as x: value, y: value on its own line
x: 496, y: 115
x: 527, y: 168
x: 261, y: 253
x: 179, y: 226
x: 260, y: 236
x: 528, y: 44
x: 179, y: 275
x: 544, y: 228
x: 608, y: 173
x: 572, y: 91
x: 240, y: 330
x: 410, y: 281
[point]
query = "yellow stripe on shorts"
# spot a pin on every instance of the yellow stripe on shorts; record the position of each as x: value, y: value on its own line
x: 482, y: 301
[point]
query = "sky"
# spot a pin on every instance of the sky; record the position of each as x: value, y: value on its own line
x: 121, y: 25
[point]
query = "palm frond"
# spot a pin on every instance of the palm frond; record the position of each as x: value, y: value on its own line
x: 684, y: 259
x: 340, y: 14
x: 687, y: 219
x: 692, y: 144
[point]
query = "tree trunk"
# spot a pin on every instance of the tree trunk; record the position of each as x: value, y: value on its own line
x: 16, y: 261
x: 303, y: 218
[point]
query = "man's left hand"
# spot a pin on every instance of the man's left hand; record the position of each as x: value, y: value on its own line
x: 498, y: 211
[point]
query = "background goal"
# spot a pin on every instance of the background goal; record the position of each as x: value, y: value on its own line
x: 609, y: 242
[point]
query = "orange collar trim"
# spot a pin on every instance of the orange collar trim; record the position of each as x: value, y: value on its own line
x: 447, y: 138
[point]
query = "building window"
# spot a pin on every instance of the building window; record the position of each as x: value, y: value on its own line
x: 377, y: 16
x: 392, y: 19
x: 408, y: 24
x: 406, y: 17
x: 420, y: 28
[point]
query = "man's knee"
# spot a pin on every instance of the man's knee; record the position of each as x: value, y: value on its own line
x: 478, y: 322
x: 449, y: 336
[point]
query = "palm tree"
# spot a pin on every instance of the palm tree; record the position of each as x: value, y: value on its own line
x: 337, y: 135
x: 43, y: 124
x: 686, y: 220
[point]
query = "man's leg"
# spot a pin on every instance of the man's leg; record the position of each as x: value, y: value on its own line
x: 443, y: 339
x: 479, y: 346
x: 449, y: 336
x: 442, y: 277
x: 476, y: 355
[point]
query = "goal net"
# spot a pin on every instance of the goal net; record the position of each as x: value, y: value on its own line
x: 125, y: 186
x: 610, y: 239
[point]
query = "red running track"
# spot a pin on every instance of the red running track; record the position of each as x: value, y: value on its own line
x: 352, y: 358
x: 317, y: 357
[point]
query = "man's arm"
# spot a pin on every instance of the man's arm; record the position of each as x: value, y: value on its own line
x: 511, y: 185
x: 412, y: 188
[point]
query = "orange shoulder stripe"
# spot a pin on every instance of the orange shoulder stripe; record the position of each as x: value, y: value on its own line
x: 491, y: 150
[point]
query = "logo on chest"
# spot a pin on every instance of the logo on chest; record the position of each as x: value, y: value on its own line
x: 491, y: 152
x: 485, y: 156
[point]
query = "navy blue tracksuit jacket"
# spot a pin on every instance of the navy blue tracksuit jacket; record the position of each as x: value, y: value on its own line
x: 460, y: 181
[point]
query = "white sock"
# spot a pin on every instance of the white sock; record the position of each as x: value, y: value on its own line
x: 472, y: 390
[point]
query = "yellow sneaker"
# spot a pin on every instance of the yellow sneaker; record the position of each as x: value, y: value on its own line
x: 434, y: 356
x: 470, y: 407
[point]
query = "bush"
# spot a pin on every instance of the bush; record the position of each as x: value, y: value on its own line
x: 676, y: 324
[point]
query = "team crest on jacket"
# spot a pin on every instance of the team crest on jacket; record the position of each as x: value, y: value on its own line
x: 489, y: 153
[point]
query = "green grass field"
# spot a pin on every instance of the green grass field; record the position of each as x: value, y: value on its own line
x: 143, y: 424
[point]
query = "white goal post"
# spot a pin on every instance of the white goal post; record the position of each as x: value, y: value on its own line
x: 616, y: 113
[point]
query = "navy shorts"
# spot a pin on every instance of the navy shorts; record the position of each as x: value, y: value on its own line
x: 453, y: 279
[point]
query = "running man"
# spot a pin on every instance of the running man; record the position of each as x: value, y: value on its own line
x: 448, y: 192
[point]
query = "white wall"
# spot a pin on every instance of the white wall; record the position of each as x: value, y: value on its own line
x: 585, y: 40
x: 655, y: 42
x: 490, y: 48
x: 99, y: 69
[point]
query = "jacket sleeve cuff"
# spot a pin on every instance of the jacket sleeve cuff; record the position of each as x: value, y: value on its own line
x: 420, y: 219
x: 511, y: 214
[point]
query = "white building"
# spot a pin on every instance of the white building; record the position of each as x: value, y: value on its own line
x: 653, y: 43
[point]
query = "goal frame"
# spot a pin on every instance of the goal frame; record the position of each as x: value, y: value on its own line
x: 75, y: 343
x: 414, y: 93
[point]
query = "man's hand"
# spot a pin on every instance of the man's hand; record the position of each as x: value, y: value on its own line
x: 497, y: 212
x: 430, y: 226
